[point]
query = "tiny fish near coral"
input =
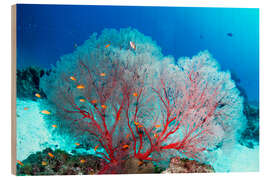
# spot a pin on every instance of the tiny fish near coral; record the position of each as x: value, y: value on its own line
x: 96, y: 147
x: 51, y: 155
x: 82, y: 100
x: 82, y: 161
x: 20, y: 163
x: 73, y: 78
x: 94, y: 101
x: 102, y: 74
x: 45, y: 112
x: 103, y: 106
x: 132, y: 45
x: 80, y: 86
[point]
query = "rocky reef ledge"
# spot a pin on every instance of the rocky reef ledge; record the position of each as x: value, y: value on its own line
x: 58, y: 162
x: 181, y: 165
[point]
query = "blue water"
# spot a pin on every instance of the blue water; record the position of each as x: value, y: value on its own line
x: 45, y: 33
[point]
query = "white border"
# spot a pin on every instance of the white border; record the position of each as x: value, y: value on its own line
x: 5, y: 79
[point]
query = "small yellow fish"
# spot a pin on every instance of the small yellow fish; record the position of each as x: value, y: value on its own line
x: 19, y: 162
x: 80, y: 86
x: 37, y: 95
x: 140, y: 163
x: 45, y: 112
x: 157, y: 126
x: 26, y: 108
x: 82, y: 160
x: 44, y: 163
x: 55, y: 126
x: 127, y: 136
x: 73, y: 78
x: 125, y: 146
x: 51, y: 155
x: 94, y: 101
x: 136, y: 123
x: 82, y: 100
x: 102, y: 74
x: 103, y: 106
x: 135, y: 94
x: 107, y: 45
x: 92, y: 172
x: 155, y: 135
x: 77, y: 144
x: 96, y: 148
x: 132, y: 45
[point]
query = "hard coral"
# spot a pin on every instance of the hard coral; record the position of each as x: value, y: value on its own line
x: 180, y: 165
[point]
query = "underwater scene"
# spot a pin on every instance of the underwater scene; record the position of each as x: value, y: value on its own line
x: 135, y: 89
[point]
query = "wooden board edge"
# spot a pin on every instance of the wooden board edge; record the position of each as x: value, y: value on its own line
x: 13, y: 88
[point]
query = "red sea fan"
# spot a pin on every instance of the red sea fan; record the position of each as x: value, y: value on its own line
x: 135, y: 103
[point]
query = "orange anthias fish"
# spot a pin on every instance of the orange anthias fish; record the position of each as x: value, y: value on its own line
x: 103, y: 106
x: 96, y: 148
x: 140, y: 163
x: 77, y: 144
x: 51, y: 155
x: 157, y: 126
x: 19, y: 162
x: 107, y: 45
x: 136, y: 123
x: 94, y: 101
x: 44, y: 163
x: 37, y: 95
x: 82, y: 100
x: 127, y: 136
x: 82, y: 160
x: 125, y: 146
x: 155, y: 135
x: 102, y: 74
x: 135, y: 94
x: 73, y: 78
x: 26, y: 108
x: 55, y: 126
x: 140, y: 126
x: 80, y: 86
x: 45, y: 112
x: 132, y: 45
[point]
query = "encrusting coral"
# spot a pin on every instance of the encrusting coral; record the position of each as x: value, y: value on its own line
x: 28, y: 82
x: 132, y: 102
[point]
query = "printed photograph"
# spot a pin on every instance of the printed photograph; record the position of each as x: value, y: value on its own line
x: 136, y: 89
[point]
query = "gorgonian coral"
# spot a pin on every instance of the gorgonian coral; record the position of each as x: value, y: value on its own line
x: 134, y: 103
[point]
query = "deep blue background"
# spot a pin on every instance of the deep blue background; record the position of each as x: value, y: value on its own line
x: 46, y: 32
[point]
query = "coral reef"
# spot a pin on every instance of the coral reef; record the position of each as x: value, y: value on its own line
x: 28, y: 82
x: 180, y: 165
x: 119, y: 93
x: 58, y: 163
x: 250, y: 135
